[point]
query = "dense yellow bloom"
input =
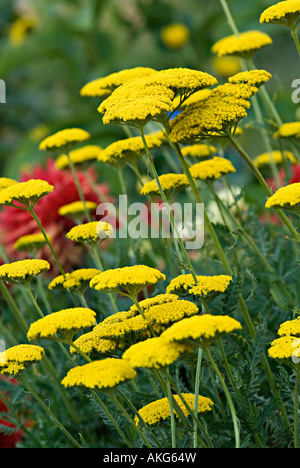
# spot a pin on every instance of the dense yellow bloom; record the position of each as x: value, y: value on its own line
x: 285, y: 197
x: 6, y: 182
x: 69, y: 136
x: 212, y: 169
x: 66, y: 322
x: 31, y: 242
x: 164, y: 314
x: 285, y: 12
x: 285, y: 347
x: 103, y: 87
x: 76, y: 209
x: 287, y: 130
x: 78, y: 156
x: 252, y: 77
x: 218, y: 114
x: 152, y: 301
x: 290, y: 327
x: 137, y: 102
x: 127, y: 280
x: 91, y: 343
x: 244, y: 45
x: 278, y: 157
x: 199, y: 150
x: 154, y: 353
x: 25, y: 192
x: 123, y: 330
x: 203, y: 329
x: 77, y: 279
x: 17, y: 358
x: 103, y: 375
x: 178, y: 103
x: 129, y: 150
x: 159, y: 410
x: 205, y: 284
x: 90, y: 232
x: 23, y: 270
x: 170, y: 183
x: 175, y: 35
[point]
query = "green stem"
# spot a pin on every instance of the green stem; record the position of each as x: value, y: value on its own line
x: 228, y: 397
x: 136, y: 303
x: 296, y: 39
x: 197, y: 385
x: 172, y: 414
x: 48, y: 411
x: 78, y: 186
x: 13, y: 307
x: 229, y: 17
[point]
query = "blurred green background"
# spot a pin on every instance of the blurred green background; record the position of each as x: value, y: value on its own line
x: 65, y: 44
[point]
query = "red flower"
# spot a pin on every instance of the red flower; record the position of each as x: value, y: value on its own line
x: 8, y: 441
x: 15, y: 223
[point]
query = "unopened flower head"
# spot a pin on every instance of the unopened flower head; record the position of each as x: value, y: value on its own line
x: 64, y: 138
x: 103, y: 375
x: 244, y: 45
x: 64, y: 323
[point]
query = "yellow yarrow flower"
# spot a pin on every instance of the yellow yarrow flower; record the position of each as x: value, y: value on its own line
x: 77, y: 279
x: 215, y: 116
x: 152, y: 301
x: 127, y: 281
x: 90, y: 233
x: 244, y: 45
x: 23, y: 271
x: 286, y: 348
x: 159, y: 410
x: 103, y: 87
x: 91, y: 343
x: 154, y: 353
x: 226, y: 66
x: 290, y: 327
x: 126, y: 330
x: 285, y: 12
x: 175, y: 35
x: 170, y: 183
x: 252, y: 77
x: 199, y: 150
x: 288, y: 130
x: 171, y: 312
x: 287, y: 197
x: 17, y: 358
x: 202, y: 330
x: 76, y: 209
x: 103, y: 375
x: 205, y: 286
x: 6, y: 182
x: 65, y: 323
x: 63, y: 138
x: 86, y: 154
x: 212, y: 169
x: 278, y: 157
x: 31, y: 242
x: 29, y: 192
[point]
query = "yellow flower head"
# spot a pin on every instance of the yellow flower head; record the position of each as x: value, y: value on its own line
x: 159, y: 410
x: 76, y: 209
x: 154, y: 353
x: 31, y: 242
x: 127, y: 280
x: 201, y: 329
x: 206, y: 285
x: 252, y: 77
x: 286, y: 348
x: 171, y: 312
x: 288, y: 130
x: 103, y: 375
x: 122, y: 331
x: 91, y: 343
x: 244, y: 45
x: 78, y: 156
x: 25, y: 192
x: 23, y: 271
x: 63, y: 138
x: 287, y: 197
x: 198, y: 151
x: 290, y: 327
x: 278, y: 157
x: 152, y: 301
x: 227, y: 65
x: 17, y: 358
x: 6, y: 182
x: 90, y: 233
x: 170, y: 183
x: 212, y: 169
x: 77, y: 279
x: 175, y: 35
x: 129, y: 150
x: 179, y: 103
x: 103, y: 87
x: 66, y: 323
x: 216, y: 115
x: 285, y: 13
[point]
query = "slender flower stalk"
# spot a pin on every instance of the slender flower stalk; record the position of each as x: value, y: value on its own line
x: 78, y: 186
